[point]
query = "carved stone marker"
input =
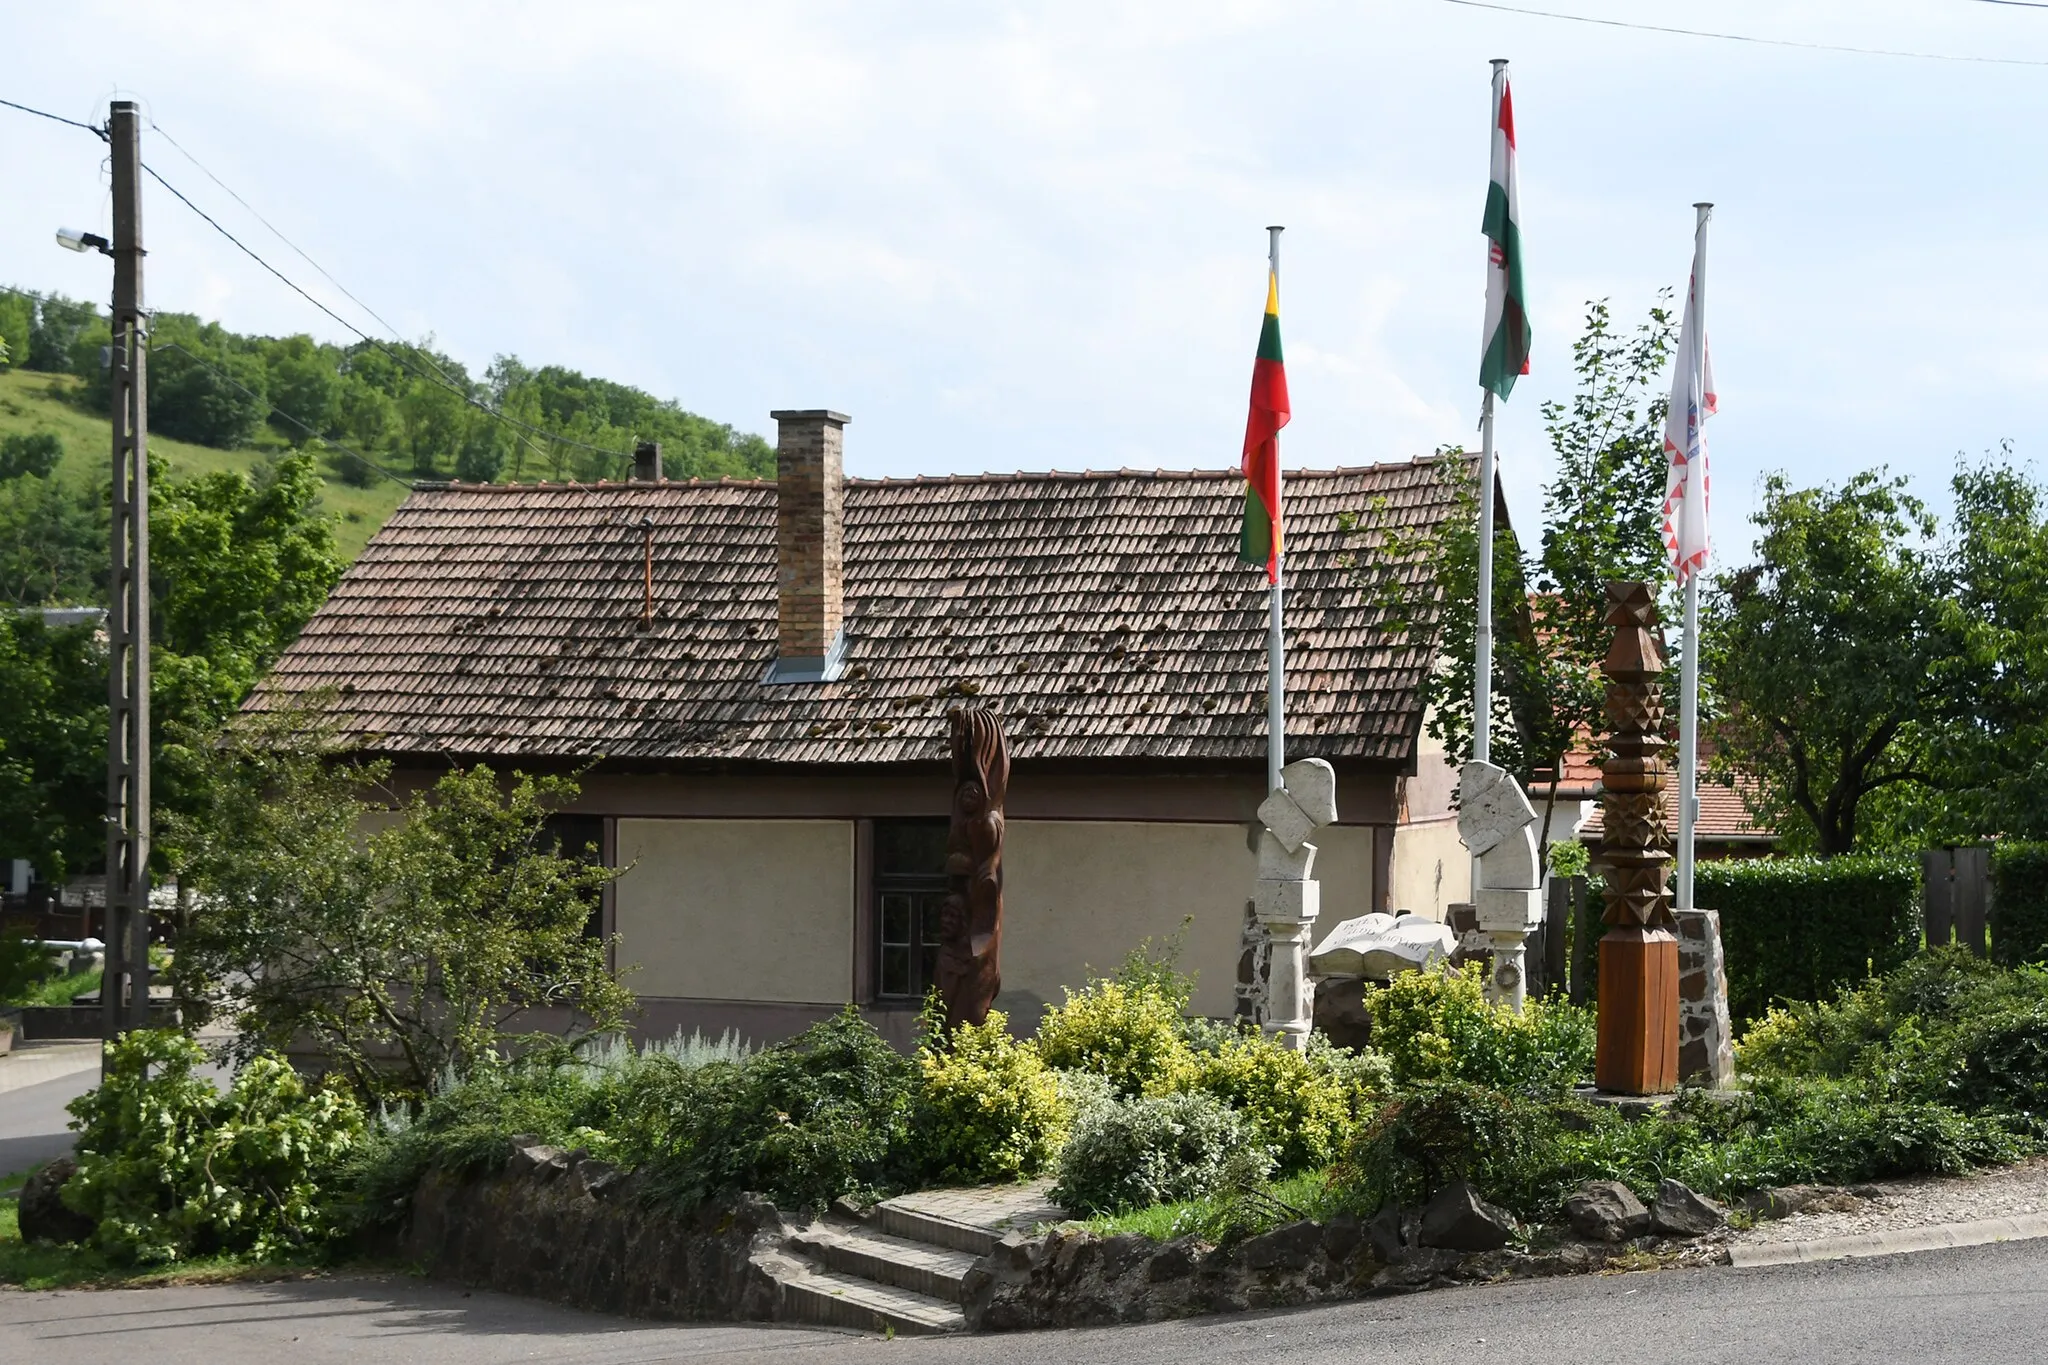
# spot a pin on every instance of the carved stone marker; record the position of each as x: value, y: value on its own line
x: 1638, y: 1050
x: 971, y: 925
x: 1497, y: 825
x: 1288, y: 898
x: 1706, y: 1052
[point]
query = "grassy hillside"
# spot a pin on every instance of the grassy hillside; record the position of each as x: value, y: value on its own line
x: 31, y: 401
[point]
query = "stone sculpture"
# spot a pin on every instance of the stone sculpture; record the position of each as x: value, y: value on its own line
x: 971, y: 924
x: 1288, y: 897
x: 1497, y: 825
x: 1638, y: 1048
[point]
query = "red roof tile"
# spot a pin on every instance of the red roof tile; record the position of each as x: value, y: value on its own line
x: 1105, y: 615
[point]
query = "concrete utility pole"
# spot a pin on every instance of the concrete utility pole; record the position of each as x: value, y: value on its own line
x: 124, y: 989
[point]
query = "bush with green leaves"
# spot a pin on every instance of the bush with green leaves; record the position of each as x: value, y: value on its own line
x: 2019, y: 893
x: 988, y: 1107
x: 826, y: 1113
x: 1435, y: 1026
x: 24, y: 965
x: 170, y: 1168
x: 1295, y: 1104
x: 1131, y: 1033
x: 1148, y: 1149
x: 1802, y: 928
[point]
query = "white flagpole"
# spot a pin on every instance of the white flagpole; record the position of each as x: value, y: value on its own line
x: 1482, y: 638
x: 1276, y: 662
x: 1689, y: 664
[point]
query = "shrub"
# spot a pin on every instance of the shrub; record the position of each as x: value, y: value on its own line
x: 1148, y: 1150
x: 1129, y: 1033
x: 24, y: 965
x: 1438, y: 1026
x: 988, y: 1108
x: 1446, y: 1131
x: 2019, y: 900
x: 1290, y: 1104
x: 168, y: 1167
x: 824, y: 1114
x: 1800, y: 928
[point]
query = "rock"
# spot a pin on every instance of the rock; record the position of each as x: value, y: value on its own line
x: 1340, y: 1012
x: 1287, y: 822
x: 846, y: 1206
x: 1174, y: 1261
x: 1288, y: 1247
x: 1678, y: 1212
x: 1279, y: 863
x: 1017, y: 1251
x: 535, y: 1159
x: 1491, y: 806
x: 1418, y: 1270
x: 43, y: 1213
x: 1312, y: 783
x: 1341, y: 1236
x: 1459, y: 1220
x: 1384, y: 1233
x: 1607, y: 1211
x: 598, y: 1178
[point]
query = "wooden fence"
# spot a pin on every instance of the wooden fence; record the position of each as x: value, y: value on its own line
x: 1955, y: 890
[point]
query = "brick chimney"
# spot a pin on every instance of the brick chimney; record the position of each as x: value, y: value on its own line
x: 810, y: 548
x: 647, y: 462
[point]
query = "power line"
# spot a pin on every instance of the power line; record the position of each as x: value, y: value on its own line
x: 411, y: 363
x: 159, y: 130
x: 2017, y: 4
x: 1750, y: 38
x: 99, y: 133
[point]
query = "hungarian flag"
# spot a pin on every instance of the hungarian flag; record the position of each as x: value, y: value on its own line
x: 1507, y: 317
x: 1693, y: 401
x: 1260, y: 541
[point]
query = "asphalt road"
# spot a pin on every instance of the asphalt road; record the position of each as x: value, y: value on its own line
x: 33, y: 1119
x: 1983, y: 1305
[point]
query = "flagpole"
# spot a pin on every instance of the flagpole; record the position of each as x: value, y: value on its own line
x: 1482, y: 635
x: 1689, y: 662
x: 1276, y: 663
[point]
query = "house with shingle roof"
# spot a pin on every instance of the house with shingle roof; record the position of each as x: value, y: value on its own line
x: 752, y: 679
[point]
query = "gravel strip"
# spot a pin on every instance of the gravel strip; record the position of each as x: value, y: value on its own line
x: 1891, y: 1205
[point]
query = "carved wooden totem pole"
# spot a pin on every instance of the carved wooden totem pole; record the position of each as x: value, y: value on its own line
x: 1639, y: 954
x: 971, y: 927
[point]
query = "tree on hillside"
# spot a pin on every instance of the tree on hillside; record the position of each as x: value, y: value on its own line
x: 53, y: 542
x: 53, y: 743
x: 1831, y: 655
x: 17, y: 324
x: 59, y: 323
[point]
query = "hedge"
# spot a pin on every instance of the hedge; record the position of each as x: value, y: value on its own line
x: 2019, y: 903
x: 1801, y: 928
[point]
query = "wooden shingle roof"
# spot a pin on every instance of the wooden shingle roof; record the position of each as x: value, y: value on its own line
x: 1104, y: 615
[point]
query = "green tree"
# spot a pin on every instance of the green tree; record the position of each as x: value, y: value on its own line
x: 435, y: 421
x: 53, y: 542
x: 203, y: 387
x: 30, y: 453
x: 1829, y: 656
x: 58, y: 324
x: 303, y: 380
x: 17, y: 323
x: 455, y: 935
x: 53, y: 744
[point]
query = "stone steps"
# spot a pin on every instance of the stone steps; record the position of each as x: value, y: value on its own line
x: 933, y: 1271
x: 830, y: 1299
x: 916, y: 1225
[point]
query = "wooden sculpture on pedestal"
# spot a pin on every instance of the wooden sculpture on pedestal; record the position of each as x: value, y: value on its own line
x: 971, y: 925
x: 1638, y: 1051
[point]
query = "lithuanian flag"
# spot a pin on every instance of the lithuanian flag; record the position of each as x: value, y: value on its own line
x: 1260, y: 541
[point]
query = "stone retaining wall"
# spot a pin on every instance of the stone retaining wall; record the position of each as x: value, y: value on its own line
x: 575, y: 1232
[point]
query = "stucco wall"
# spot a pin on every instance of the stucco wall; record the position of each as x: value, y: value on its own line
x: 1344, y: 865
x: 1080, y: 894
x: 1431, y: 868
x: 737, y: 909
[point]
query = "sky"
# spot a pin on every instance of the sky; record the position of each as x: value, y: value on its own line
x: 1033, y: 237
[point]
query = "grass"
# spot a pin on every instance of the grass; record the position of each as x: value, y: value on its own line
x: 1303, y: 1196
x: 32, y: 401
x: 58, y: 990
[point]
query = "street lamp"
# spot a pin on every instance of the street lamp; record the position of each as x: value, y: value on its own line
x: 71, y: 239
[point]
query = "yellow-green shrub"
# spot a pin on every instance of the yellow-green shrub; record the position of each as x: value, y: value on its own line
x: 1439, y: 1026
x: 1292, y: 1105
x: 1130, y: 1033
x: 988, y: 1107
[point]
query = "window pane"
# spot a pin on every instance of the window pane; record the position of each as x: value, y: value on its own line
x: 896, y: 972
x: 910, y: 848
x: 896, y: 919
x: 927, y: 968
x: 929, y: 908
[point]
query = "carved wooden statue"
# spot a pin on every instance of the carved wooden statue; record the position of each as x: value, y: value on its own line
x: 1638, y: 1052
x: 971, y: 928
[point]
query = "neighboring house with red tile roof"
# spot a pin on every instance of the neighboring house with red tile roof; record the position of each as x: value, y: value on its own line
x: 1724, y: 827
x: 753, y: 678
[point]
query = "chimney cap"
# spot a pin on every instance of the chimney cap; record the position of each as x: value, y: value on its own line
x: 809, y: 415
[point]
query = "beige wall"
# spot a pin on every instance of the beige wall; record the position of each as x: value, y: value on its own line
x: 737, y: 909
x: 1081, y: 894
x: 1344, y: 867
x: 1431, y: 868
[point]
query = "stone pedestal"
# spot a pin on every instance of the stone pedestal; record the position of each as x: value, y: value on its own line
x: 1287, y: 898
x: 1706, y: 1051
